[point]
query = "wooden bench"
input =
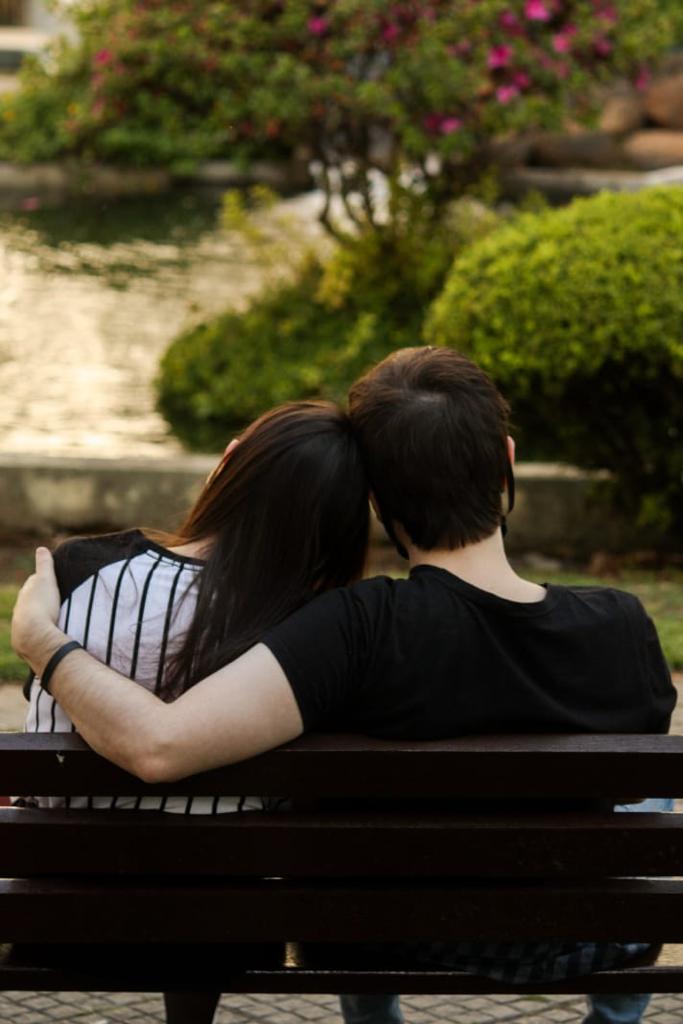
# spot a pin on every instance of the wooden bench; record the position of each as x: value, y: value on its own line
x: 320, y: 876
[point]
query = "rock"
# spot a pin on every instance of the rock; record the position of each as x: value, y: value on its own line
x: 541, y: 563
x: 663, y: 101
x: 623, y: 112
x: 512, y: 151
x: 604, y: 563
x: 649, y: 150
x: 587, y: 149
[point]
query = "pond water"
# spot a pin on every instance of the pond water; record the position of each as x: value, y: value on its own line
x: 90, y: 295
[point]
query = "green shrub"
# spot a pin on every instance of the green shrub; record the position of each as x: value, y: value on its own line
x: 152, y: 82
x: 38, y: 121
x: 313, y: 336
x: 219, y: 375
x: 578, y: 315
x: 290, y: 344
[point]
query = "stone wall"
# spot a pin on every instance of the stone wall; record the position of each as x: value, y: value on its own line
x: 639, y: 130
x: 558, y: 512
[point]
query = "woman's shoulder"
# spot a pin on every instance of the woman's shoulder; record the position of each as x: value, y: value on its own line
x: 79, y: 558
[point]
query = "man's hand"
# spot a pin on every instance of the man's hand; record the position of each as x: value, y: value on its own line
x: 35, y: 636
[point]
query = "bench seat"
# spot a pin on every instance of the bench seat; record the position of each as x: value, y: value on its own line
x: 172, y: 890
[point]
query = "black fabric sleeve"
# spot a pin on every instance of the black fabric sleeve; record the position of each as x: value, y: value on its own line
x: 660, y: 690
x: 78, y: 558
x: 664, y: 693
x: 322, y: 649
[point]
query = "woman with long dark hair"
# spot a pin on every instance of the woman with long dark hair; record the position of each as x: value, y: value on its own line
x: 283, y: 517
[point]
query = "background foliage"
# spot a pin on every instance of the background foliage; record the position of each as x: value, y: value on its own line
x: 372, y: 82
x: 314, y: 334
x: 398, y: 104
x: 578, y: 315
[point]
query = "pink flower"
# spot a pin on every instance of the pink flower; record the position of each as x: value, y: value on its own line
x: 536, y: 10
x: 449, y: 125
x: 460, y: 49
x: 499, y: 57
x: 521, y: 79
x: 507, y: 93
x: 602, y: 46
x: 432, y: 123
x: 31, y: 203
x: 608, y: 13
x: 390, y: 33
x: 510, y: 22
x: 103, y: 57
x: 562, y: 41
x: 643, y: 79
x: 317, y: 26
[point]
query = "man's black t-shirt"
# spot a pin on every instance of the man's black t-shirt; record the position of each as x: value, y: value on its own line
x: 432, y: 656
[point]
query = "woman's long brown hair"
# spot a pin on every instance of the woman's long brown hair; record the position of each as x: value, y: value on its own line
x: 285, y: 516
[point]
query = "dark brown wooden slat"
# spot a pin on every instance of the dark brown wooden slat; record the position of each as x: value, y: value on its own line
x: 59, y: 910
x: 505, y: 767
x: 116, y: 979
x: 296, y: 845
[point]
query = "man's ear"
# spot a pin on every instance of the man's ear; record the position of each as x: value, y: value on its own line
x: 512, y: 447
x: 391, y: 531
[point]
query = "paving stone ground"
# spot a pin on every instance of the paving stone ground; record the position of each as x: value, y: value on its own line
x: 126, y: 1008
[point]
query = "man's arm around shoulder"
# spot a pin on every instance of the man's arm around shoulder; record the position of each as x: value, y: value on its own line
x: 245, y: 708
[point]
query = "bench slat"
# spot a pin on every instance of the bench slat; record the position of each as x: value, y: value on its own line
x: 409, y: 982
x: 305, y: 845
x: 56, y: 910
x: 499, y: 767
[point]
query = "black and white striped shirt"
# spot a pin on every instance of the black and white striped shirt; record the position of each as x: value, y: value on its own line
x: 128, y: 601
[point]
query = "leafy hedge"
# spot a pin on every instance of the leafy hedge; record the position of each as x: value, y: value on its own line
x: 578, y: 315
x: 312, y: 336
x: 221, y: 374
x: 148, y: 81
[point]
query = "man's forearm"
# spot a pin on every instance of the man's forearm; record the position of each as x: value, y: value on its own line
x: 241, y: 710
x: 116, y: 716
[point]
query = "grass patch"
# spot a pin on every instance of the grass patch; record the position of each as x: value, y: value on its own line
x: 11, y: 667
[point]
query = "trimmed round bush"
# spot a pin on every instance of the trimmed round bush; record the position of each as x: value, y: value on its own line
x: 310, y: 337
x: 221, y: 374
x: 577, y: 313
x: 290, y: 344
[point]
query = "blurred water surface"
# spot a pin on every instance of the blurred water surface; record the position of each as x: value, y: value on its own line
x: 90, y: 295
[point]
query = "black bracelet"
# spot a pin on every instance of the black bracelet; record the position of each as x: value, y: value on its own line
x: 61, y: 652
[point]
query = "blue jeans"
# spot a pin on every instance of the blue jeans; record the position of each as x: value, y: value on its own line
x: 605, y: 1008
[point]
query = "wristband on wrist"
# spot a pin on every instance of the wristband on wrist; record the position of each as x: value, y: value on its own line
x: 60, y: 653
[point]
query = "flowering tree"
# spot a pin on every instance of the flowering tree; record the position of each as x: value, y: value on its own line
x: 354, y: 84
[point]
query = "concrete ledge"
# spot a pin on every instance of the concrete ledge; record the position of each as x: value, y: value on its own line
x: 59, y: 180
x: 42, y: 495
x: 562, y: 184
x: 62, y: 179
x: 559, y: 509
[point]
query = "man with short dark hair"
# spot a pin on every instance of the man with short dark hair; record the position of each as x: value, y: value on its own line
x: 464, y: 645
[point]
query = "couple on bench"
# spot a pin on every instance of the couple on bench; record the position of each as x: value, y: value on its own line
x: 173, y: 654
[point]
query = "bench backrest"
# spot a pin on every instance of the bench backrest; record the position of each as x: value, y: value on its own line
x: 352, y: 874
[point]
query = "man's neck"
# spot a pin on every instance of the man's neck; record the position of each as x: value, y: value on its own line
x: 484, y: 565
